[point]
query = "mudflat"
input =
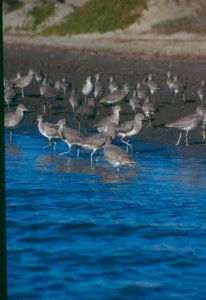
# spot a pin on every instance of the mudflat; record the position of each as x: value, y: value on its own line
x: 77, y: 64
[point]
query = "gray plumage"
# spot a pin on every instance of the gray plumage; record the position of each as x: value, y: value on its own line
x: 50, y: 94
x: 116, y: 97
x: 24, y: 81
x: 98, y: 87
x: 202, y: 91
x: 188, y: 123
x: 113, y: 86
x: 179, y: 87
x: 102, y: 125
x: 74, y: 99
x: 130, y: 128
x: 116, y: 156
x: 70, y: 136
x: 13, y: 119
x: 97, y: 141
x: 135, y: 101
x: 48, y: 130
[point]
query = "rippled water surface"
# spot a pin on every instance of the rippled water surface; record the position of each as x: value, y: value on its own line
x: 76, y: 231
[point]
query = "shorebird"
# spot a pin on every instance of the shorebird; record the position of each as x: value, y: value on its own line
x: 39, y: 76
x: 116, y: 156
x: 24, y: 81
x: 153, y: 85
x: 98, y: 87
x: 169, y: 80
x: 9, y: 92
x: 86, y: 112
x: 50, y: 94
x: 97, y: 141
x: 116, y: 97
x: 148, y: 107
x: 188, y: 123
x: 130, y: 128
x: 142, y: 91
x: 70, y: 136
x: 178, y: 87
x: 203, y: 126
x: 15, y: 79
x: 13, y: 119
x: 113, y: 86
x: 65, y: 85
x: 202, y: 91
x: 102, y: 125
x: 49, y: 130
x: 87, y: 88
x: 135, y: 101
x: 74, y: 99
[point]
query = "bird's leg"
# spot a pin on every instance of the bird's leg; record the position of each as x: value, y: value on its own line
x: 184, y: 98
x: 10, y: 135
x: 22, y: 92
x: 179, y: 139
x: 66, y: 151
x: 79, y: 125
x: 44, y: 108
x: 203, y: 131
x: 186, y: 138
x: 47, y: 145
x: 55, y: 144
x: 78, y: 151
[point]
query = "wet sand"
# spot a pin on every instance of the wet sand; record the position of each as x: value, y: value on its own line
x: 77, y: 65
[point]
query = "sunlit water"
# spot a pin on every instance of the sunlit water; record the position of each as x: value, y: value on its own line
x: 76, y: 231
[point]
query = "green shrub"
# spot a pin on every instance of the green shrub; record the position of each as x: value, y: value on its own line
x: 99, y: 16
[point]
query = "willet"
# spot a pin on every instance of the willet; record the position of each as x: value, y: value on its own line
x: 87, y: 88
x: 97, y: 141
x: 15, y: 79
x: 102, y: 125
x: 203, y: 126
x: 65, y: 85
x: 169, y: 80
x: 49, y: 130
x: 50, y: 95
x: 116, y: 156
x: 98, y: 87
x: 130, y: 128
x: 24, y: 81
x: 70, y: 136
x: 188, y: 123
x: 153, y: 85
x: 178, y: 87
x: 142, y: 91
x: 202, y: 91
x: 74, y: 99
x: 135, y: 101
x: 86, y: 112
x: 113, y: 86
x: 148, y: 107
x: 13, y: 119
x: 39, y: 76
x: 9, y: 93
x: 116, y: 97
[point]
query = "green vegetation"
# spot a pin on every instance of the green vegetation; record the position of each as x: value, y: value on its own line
x: 99, y: 16
x: 188, y: 24
x: 40, y: 14
x: 14, y: 5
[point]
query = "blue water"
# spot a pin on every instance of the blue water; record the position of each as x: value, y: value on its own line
x: 76, y: 231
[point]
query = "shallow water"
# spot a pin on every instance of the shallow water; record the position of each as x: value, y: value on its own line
x: 82, y: 231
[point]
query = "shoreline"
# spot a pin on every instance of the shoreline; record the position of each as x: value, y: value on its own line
x: 145, y: 47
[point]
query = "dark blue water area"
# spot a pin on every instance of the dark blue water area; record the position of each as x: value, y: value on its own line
x: 82, y: 231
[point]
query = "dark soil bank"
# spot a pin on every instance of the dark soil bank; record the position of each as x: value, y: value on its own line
x: 78, y: 65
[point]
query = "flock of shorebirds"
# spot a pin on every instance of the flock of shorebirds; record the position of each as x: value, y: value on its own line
x: 142, y: 103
